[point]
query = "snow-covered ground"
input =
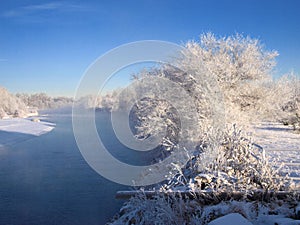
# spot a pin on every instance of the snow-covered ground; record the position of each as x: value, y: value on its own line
x: 280, y: 142
x: 15, y: 130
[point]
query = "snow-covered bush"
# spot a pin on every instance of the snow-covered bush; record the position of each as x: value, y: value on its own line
x: 160, y: 210
x: 237, y: 164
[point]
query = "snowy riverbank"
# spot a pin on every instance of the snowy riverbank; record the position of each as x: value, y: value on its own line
x: 281, y: 152
x: 14, y: 130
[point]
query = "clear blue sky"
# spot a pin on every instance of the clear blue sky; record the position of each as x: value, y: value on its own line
x: 45, y: 46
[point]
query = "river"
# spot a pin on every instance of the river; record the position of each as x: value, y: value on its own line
x: 45, y: 180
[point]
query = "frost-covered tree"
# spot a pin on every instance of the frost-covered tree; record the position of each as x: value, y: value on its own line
x: 227, y: 75
x: 235, y: 71
x: 10, y: 105
x: 241, y: 66
x: 107, y: 101
x: 232, y: 59
x: 284, y: 100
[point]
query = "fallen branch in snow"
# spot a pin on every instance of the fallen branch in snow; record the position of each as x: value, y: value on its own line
x: 209, y: 197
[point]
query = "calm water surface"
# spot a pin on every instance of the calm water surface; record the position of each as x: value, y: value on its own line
x: 45, y: 180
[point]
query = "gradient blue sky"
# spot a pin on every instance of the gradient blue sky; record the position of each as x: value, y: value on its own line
x: 45, y: 46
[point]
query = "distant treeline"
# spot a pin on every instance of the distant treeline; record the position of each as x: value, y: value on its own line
x: 20, y: 105
x: 43, y: 101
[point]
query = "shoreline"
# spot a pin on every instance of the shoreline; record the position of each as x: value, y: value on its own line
x: 15, y: 130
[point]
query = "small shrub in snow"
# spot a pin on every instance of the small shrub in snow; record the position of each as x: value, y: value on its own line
x: 160, y: 210
x: 236, y: 164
